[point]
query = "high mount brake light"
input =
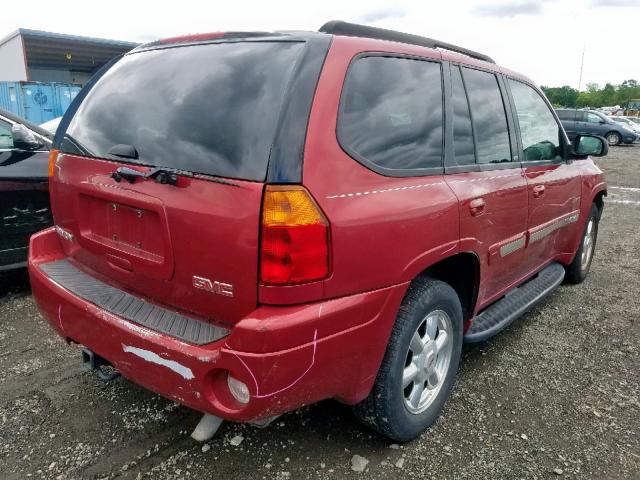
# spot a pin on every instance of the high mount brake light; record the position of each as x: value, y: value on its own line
x: 295, y: 237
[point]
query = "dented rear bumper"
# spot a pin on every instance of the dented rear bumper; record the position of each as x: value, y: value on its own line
x: 287, y: 356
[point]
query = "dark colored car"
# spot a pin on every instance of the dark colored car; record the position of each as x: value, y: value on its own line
x: 24, y: 193
x: 579, y: 122
x: 281, y: 218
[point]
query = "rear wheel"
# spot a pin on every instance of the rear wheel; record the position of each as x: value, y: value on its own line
x: 420, y: 364
x: 613, y: 138
x: 577, y: 271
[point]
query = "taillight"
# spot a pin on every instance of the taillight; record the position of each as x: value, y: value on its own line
x: 295, y: 237
x: 53, y: 156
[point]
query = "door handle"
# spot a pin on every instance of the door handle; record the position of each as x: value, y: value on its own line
x: 538, y: 191
x: 477, y: 207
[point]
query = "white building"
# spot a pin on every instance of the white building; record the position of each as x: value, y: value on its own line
x: 33, y: 55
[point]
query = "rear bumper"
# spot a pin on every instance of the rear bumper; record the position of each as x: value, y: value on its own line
x: 287, y: 356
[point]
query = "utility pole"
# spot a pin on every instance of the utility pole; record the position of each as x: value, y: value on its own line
x: 584, y: 47
x: 581, y: 65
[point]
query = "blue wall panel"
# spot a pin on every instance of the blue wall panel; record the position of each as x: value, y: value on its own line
x: 37, y: 102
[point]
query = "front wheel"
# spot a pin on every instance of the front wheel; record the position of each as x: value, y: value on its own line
x: 420, y: 363
x: 577, y: 270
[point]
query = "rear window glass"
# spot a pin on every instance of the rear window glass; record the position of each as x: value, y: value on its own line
x: 391, y: 113
x: 210, y: 109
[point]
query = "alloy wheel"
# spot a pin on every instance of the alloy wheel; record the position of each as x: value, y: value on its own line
x: 427, y: 361
x: 587, y: 244
x: 613, y: 139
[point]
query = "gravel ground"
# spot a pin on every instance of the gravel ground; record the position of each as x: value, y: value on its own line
x: 556, y: 395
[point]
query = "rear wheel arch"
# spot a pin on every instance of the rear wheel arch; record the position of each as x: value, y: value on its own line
x: 462, y: 273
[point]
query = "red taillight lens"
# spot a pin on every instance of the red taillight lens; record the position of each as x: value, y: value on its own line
x: 295, y: 237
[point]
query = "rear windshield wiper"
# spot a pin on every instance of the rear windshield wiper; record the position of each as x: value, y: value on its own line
x: 164, y: 175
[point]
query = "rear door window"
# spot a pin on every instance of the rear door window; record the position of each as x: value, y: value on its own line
x: 391, y: 114
x: 463, y: 145
x: 211, y: 109
x: 489, y: 117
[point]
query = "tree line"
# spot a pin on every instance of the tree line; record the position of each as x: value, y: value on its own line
x: 595, y: 96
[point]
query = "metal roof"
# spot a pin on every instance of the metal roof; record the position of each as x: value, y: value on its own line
x: 59, y: 50
x: 25, y: 32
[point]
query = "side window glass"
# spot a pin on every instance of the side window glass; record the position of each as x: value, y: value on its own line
x: 489, y: 117
x: 593, y: 118
x: 463, y: 146
x: 391, y: 113
x: 567, y: 115
x: 581, y: 117
x: 6, y: 138
x: 538, y: 128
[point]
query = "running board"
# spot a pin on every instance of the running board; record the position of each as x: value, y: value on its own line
x: 518, y: 301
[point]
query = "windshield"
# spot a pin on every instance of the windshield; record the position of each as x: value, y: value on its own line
x: 210, y: 109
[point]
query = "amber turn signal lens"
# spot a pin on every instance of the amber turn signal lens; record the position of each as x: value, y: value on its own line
x: 53, y: 156
x: 295, y: 237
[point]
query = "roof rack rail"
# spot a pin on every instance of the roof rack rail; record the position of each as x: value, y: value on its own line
x: 338, y: 27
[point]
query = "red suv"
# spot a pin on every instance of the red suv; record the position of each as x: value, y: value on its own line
x: 251, y: 222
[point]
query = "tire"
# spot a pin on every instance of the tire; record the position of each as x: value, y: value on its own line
x: 613, y: 138
x: 402, y: 414
x: 578, y: 269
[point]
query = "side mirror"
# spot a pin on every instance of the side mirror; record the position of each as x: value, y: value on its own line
x: 590, y: 145
x: 23, y: 138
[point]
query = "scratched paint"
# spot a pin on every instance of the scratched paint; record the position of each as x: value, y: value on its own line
x: 255, y: 380
x: 60, y: 316
x: 385, y: 190
x: 139, y: 330
x: 420, y: 186
x: 184, y: 372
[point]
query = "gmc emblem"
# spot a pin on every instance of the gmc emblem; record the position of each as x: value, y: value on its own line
x: 224, y: 289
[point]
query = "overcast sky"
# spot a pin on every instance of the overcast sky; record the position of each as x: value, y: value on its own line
x: 542, y: 39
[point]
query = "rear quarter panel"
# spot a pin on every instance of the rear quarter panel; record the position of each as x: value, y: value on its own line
x: 384, y: 230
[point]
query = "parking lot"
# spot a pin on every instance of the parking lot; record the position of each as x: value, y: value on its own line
x: 556, y: 395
